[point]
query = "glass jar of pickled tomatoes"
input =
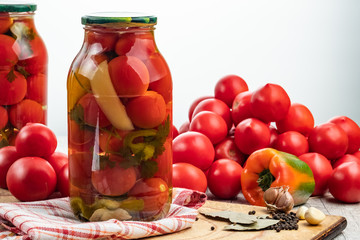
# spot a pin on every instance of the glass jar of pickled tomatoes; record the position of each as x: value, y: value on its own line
x: 119, y: 121
x: 23, y: 71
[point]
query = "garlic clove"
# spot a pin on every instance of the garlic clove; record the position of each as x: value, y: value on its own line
x: 314, y: 216
x: 300, y: 213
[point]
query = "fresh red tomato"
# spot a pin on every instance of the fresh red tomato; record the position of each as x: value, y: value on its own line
x: 292, y: 142
x: 184, y: 127
x: 329, y: 140
x: 107, y: 41
x: 5, y: 23
x: 227, y: 149
x: 4, y: 117
x: 129, y: 76
x: 111, y: 140
x: 80, y: 169
x: 270, y: 103
x: 58, y: 160
x: 185, y: 175
x: 113, y: 180
x: 31, y: 179
x: 36, y: 88
x: 357, y: 154
x: 241, y: 108
x: 228, y: 87
x: 194, y: 148
x: 345, y: 158
x: 34, y: 57
x: 9, y: 51
x: 174, y: 131
x: 36, y: 139
x: 252, y: 134
x: 195, y: 103
x: 154, y: 192
x: 26, y: 111
x: 217, y: 106
x: 93, y: 115
x: 273, y: 135
x: 299, y: 118
x: 344, y: 183
x: 321, y: 169
x: 160, y: 77
x: 211, y: 125
x: 63, y: 184
x: 351, y: 129
x: 224, y: 178
x: 13, y: 87
x: 147, y: 111
x: 8, y: 155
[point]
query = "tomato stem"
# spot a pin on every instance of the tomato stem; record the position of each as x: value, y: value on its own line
x: 265, y: 179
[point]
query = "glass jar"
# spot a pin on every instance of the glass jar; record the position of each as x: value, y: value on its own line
x: 119, y: 121
x: 23, y: 71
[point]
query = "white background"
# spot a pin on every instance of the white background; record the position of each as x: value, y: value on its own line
x: 311, y: 48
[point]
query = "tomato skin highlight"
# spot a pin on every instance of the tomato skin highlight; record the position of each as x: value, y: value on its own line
x: 241, y: 108
x: 344, y: 183
x: 344, y: 159
x: 194, y: 148
x: 224, y: 178
x: 9, y: 51
x: 31, y: 179
x: 188, y: 176
x: 228, y: 87
x: 195, y: 103
x: 270, y: 103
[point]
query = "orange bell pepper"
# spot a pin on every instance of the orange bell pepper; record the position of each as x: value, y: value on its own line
x: 267, y: 168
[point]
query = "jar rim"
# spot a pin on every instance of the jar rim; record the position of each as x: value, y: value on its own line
x: 118, y: 17
x: 17, y: 6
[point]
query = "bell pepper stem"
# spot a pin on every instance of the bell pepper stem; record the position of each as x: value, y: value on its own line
x: 265, y: 179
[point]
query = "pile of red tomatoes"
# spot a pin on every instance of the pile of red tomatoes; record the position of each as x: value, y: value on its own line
x: 223, y: 130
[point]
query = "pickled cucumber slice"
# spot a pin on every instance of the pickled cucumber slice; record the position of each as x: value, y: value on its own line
x: 108, y: 100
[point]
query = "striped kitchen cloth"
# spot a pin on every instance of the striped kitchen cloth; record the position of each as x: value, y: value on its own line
x: 53, y: 219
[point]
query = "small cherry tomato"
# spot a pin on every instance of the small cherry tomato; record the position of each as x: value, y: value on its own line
x: 299, y: 118
x: 26, y: 111
x: 31, y: 179
x: 58, y: 160
x: 5, y: 23
x: 224, y: 178
x: 194, y: 148
x: 351, y: 129
x: 36, y: 139
x: 321, y: 169
x: 241, y: 108
x: 111, y: 140
x: 147, y: 111
x: 344, y: 183
x: 252, y: 134
x: 270, y: 103
x: 217, y: 106
x: 210, y: 124
x: 9, y: 51
x: 228, y: 87
x: 36, y: 88
x: 63, y: 184
x: 154, y: 192
x: 195, y: 103
x: 129, y: 76
x: 13, y: 87
x: 8, y: 155
x: 345, y: 158
x: 329, y: 140
x: 292, y: 142
x: 227, y: 149
x: 113, y: 180
x: 107, y: 41
x: 4, y: 117
x: 140, y: 45
x: 93, y: 115
x: 33, y: 56
x: 185, y: 175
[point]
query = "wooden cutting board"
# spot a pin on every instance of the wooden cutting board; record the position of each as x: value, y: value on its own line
x: 201, y: 229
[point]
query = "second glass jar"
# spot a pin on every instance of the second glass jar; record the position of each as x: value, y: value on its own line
x: 120, y: 121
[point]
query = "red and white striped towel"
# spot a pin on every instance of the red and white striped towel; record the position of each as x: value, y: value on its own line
x: 53, y: 219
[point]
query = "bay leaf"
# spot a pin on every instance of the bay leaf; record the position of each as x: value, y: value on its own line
x: 260, y: 224
x: 234, y: 217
